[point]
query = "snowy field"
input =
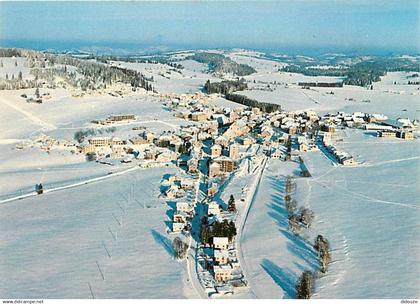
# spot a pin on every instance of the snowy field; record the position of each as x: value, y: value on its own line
x: 103, y: 240
x: 369, y: 213
x: 392, y: 100
x: 190, y: 79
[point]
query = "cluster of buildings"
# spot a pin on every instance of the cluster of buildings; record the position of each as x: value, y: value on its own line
x: 175, y: 188
x: 342, y: 157
x: 47, y: 143
x: 115, y: 118
x: 400, y: 128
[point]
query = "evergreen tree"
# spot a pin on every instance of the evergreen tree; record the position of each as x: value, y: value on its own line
x: 231, y: 204
x: 20, y: 75
x: 305, y: 286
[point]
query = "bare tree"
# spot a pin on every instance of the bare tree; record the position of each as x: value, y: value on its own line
x: 322, y: 246
x: 306, y: 216
x: 291, y: 205
x: 294, y: 225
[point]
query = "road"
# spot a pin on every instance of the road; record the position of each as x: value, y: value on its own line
x: 88, y: 181
x: 243, y: 218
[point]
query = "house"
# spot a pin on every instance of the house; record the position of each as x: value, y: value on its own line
x: 328, y: 128
x: 187, y: 184
x: 199, y: 116
x: 234, y: 151
x: 222, y: 273
x: 177, y: 227
x: 89, y: 148
x: 405, y: 135
x: 117, y: 151
x: 212, y: 189
x: 387, y: 134
x: 166, y: 156
x: 114, y: 118
x: 214, y: 169
x: 221, y: 256
x: 216, y: 150
x: 184, y: 207
x: 180, y: 217
x: 222, y: 141
x: 139, y: 141
x: 100, y: 141
x: 347, y: 161
x: 221, y: 243
x: 213, y: 209
x: 226, y: 164
x: 192, y: 165
x: 246, y: 141
x: 174, y: 192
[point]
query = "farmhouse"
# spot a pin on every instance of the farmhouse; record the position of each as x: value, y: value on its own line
x: 122, y: 117
x: 184, y: 207
x: 222, y: 273
x: 216, y: 150
x: 387, y: 134
x: 214, y: 169
x: 221, y: 256
x: 405, y: 135
x: 213, y: 209
x: 220, y: 243
x: 226, y: 164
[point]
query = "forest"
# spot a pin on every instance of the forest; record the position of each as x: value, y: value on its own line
x: 362, y: 73
x: 220, y: 64
x: 54, y: 70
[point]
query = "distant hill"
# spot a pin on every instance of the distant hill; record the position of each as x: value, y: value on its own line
x: 220, y: 64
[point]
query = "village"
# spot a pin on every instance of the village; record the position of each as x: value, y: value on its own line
x: 210, y: 155
x: 215, y: 143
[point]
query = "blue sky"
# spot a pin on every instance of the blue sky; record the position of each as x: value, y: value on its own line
x: 365, y: 25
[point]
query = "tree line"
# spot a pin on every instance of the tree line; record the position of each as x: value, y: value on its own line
x: 85, y: 74
x: 217, y: 229
x: 225, y: 87
x: 246, y: 101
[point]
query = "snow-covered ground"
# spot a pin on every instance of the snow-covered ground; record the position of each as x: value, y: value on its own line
x: 102, y: 240
x: 369, y: 213
x: 274, y: 257
x: 392, y: 100
x: 98, y: 240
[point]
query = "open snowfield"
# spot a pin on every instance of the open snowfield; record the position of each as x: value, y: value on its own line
x: 190, y: 79
x: 392, y: 100
x: 100, y: 240
x: 369, y: 213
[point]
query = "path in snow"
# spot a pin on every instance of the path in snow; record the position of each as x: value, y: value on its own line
x: 85, y: 182
x: 32, y: 117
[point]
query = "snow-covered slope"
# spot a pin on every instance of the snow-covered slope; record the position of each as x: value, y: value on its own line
x: 93, y: 241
